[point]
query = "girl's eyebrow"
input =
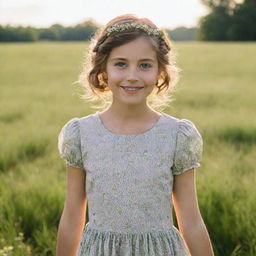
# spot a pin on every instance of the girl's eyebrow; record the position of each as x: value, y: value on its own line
x: 114, y: 59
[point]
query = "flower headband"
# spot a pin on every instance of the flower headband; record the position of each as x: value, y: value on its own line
x: 134, y: 25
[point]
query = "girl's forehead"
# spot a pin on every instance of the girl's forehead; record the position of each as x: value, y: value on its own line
x: 138, y: 48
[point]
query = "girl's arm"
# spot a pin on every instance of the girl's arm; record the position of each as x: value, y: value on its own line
x: 190, y: 222
x: 73, y: 216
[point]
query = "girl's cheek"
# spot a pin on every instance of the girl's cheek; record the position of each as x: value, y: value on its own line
x: 150, y: 78
x: 115, y: 76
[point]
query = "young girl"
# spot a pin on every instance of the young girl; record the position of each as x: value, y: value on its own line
x: 131, y: 163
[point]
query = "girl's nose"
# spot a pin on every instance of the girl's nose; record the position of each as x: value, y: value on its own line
x: 132, y: 75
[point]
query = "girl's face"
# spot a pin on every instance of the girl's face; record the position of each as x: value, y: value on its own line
x: 133, y: 64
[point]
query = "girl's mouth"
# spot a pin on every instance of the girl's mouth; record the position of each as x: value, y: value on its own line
x: 131, y: 90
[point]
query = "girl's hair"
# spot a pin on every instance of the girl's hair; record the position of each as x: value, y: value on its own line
x: 92, y: 80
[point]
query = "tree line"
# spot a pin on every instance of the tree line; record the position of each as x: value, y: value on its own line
x: 80, y: 32
x: 55, y: 32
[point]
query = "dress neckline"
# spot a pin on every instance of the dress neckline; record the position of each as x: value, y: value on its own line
x: 101, y: 125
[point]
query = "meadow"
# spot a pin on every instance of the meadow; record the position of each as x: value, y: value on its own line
x: 37, y: 97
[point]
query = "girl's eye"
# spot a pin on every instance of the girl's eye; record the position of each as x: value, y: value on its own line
x: 146, y: 65
x: 120, y: 64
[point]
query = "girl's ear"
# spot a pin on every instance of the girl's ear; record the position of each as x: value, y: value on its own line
x: 104, y: 77
x: 104, y: 74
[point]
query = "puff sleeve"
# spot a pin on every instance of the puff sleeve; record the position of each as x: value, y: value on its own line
x: 69, y: 145
x: 189, y: 147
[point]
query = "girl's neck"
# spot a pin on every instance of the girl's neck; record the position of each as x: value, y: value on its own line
x: 120, y: 122
x: 130, y: 113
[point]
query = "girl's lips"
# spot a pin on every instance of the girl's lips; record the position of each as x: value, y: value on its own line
x: 131, y: 91
x: 131, y: 86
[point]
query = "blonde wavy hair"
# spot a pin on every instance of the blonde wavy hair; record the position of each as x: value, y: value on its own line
x: 95, y: 87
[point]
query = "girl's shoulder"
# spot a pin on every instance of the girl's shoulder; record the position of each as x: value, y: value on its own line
x: 184, y: 127
x: 69, y: 143
x: 71, y: 130
x: 169, y: 122
x: 75, y: 123
x: 178, y: 122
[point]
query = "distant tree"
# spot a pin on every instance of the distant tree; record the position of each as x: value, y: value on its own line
x: 227, y: 4
x: 91, y: 27
x: 47, y: 34
x: 216, y: 25
x: 82, y: 31
x: 244, y: 20
x: 228, y: 20
x: 30, y: 33
x: 183, y: 34
x: 58, y: 30
x: 16, y: 34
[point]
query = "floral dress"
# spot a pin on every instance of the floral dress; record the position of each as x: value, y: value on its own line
x: 129, y: 183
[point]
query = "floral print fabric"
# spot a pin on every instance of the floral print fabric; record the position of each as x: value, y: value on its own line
x: 129, y: 181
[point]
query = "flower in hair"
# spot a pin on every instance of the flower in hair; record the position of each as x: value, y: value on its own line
x: 134, y: 25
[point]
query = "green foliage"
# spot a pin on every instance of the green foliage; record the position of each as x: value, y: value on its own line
x: 16, y: 34
x: 56, y: 32
x: 216, y: 91
x: 228, y: 21
x: 183, y: 34
x: 79, y: 32
x: 26, y: 151
x: 219, y: 3
x: 239, y: 135
x: 48, y: 34
x: 244, y: 18
x: 215, y: 26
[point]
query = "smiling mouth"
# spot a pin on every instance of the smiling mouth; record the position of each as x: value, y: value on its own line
x: 131, y: 88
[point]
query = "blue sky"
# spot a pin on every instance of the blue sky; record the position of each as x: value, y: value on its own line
x: 43, y: 13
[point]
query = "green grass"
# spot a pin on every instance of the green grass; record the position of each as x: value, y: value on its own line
x: 216, y: 91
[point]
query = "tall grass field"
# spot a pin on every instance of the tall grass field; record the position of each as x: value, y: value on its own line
x: 217, y: 91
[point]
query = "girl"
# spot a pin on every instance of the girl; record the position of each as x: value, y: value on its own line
x: 131, y: 163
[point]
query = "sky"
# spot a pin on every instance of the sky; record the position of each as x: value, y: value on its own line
x: 43, y: 13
